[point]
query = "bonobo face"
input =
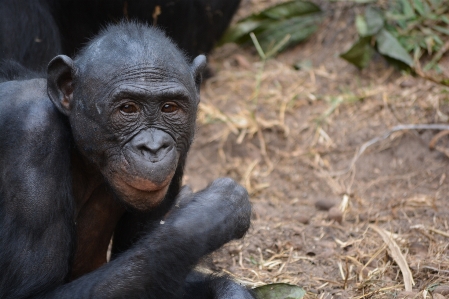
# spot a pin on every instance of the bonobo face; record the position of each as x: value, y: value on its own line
x: 145, y: 121
x: 132, y: 114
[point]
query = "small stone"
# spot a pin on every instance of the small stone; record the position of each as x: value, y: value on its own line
x: 438, y: 296
x: 336, y: 214
x: 304, y: 219
x: 325, y: 204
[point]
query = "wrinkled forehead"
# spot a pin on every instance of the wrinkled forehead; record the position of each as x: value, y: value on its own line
x: 121, y: 58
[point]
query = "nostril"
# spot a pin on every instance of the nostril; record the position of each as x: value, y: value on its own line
x: 153, y: 150
x: 153, y: 144
x: 149, y: 151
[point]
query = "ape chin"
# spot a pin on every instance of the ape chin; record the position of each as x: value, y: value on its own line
x: 96, y: 150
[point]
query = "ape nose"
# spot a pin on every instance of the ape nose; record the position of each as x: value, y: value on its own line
x: 153, y: 144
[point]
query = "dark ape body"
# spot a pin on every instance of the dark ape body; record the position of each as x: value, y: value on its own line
x: 33, y: 32
x: 98, y: 149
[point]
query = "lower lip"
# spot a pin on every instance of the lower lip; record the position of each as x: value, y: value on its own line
x: 152, y: 187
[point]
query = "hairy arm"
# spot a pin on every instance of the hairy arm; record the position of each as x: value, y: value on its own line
x: 157, y: 265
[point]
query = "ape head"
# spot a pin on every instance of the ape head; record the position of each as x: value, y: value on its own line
x: 131, y: 100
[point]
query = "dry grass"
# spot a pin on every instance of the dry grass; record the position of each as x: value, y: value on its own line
x: 290, y: 137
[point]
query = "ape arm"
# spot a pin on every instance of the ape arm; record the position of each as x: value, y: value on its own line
x: 197, y: 284
x: 157, y: 266
x: 36, y: 206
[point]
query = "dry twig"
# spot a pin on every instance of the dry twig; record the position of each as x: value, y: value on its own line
x: 387, y: 134
x: 397, y: 256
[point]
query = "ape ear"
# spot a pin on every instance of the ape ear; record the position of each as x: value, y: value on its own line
x: 198, y: 66
x: 59, y: 83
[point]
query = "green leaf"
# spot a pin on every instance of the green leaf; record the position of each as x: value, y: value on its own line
x: 364, y: 1
x: 374, y: 21
x: 389, y: 46
x: 397, y: 18
x: 290, y: 9
x: 240, y: 32
x: 360, y: 53
x: 299, y: 28
x: 419, y: 7
x: 445, y: 19
x: 297, y: 19
x: 279, y: 291
x: 407, y: 9
x: 360, y: 24
x: 441, y: 29
x: 437, y: 40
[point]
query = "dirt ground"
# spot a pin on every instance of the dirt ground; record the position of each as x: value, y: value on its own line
x: 338, y: 224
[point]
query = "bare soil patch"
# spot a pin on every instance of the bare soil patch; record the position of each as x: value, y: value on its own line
x: 290, y: 140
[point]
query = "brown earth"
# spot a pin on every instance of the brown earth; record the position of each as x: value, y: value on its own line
x: 318, y: 217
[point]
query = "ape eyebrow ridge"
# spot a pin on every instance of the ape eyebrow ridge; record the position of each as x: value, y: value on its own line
x: 140, y: 93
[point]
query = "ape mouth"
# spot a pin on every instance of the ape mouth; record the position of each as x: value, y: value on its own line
x: 139, y: 193
x: 145, y: 177
x: 145, y: 185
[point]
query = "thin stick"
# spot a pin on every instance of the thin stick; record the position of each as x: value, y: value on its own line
x: 362, y: 149
x: 434, y: 230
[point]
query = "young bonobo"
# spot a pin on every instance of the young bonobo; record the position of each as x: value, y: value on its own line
x: 98, y: 150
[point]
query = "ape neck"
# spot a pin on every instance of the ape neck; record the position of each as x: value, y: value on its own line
x: 97, y: 215
x: 85, y: 179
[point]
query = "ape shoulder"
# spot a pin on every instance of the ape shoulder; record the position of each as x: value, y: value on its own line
x: 25, y: 105
x: 32, y: 129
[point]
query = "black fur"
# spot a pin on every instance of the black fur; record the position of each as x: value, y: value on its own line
x: 32, y: 32
x: 12, y: 70
x: 98, y: 148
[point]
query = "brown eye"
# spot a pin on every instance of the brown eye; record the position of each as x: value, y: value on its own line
x: 128, y: 108
x: 169, y: 108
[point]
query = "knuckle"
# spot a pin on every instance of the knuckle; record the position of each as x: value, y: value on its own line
x: 240, y: 190
x: 226, y: 182
x: 240, y: 194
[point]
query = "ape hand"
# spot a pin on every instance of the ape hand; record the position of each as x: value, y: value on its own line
x: 214, y: 216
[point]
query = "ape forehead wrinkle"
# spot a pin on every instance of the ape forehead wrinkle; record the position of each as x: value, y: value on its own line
x: 151, y: 91
x: 128, y: 44
x: 141, y: 82
x: 154, y: 71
